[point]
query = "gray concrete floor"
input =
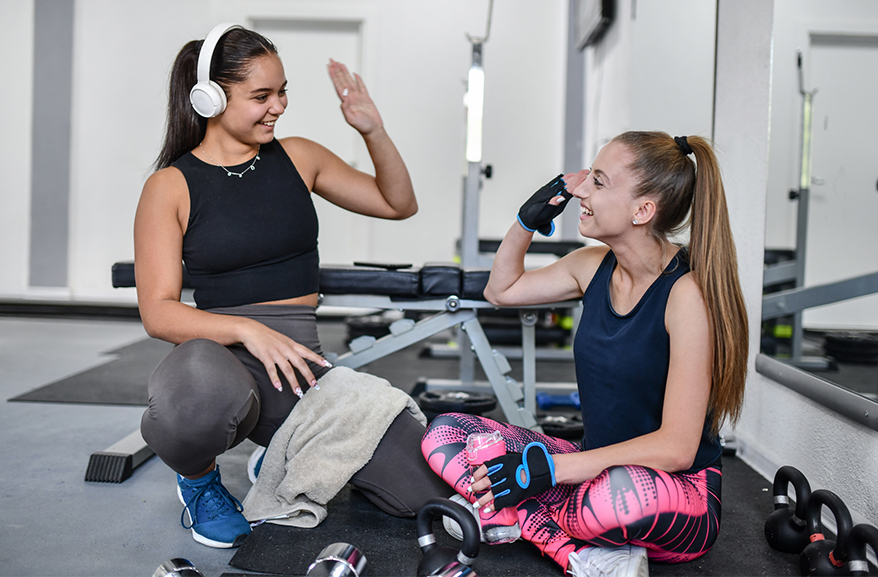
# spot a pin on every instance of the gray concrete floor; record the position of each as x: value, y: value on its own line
x: 53, y: 522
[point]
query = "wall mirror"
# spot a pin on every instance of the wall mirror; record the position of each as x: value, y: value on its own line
x: 820, y: 305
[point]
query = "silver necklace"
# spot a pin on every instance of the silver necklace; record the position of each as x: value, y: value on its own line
x: 229, y: 172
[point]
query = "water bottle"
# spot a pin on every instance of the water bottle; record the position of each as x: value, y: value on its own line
x: 497, y: 526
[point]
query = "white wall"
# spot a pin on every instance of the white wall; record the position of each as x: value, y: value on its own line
x: 780, y: 427
x: 122, y: 58
x: 16, y: 37
x: 418, y: 56
x: 652, y: 71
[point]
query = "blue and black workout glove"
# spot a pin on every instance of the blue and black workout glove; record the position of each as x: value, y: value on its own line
x: 537, y: 214
x: 517, y: 476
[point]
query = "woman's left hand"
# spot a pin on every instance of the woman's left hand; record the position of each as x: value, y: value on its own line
x: 356, y: 104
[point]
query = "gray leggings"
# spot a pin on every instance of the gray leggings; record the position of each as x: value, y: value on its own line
x: 205, y: 398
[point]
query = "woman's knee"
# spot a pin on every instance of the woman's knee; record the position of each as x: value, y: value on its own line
x: 396, y: 478
x: 618, y: 476
x: 200, y: 399
x: 201, y: 369
x: 446, y: 429
x: 449, y: 420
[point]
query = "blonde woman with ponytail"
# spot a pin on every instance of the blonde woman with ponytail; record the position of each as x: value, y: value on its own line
x: 661, y: 360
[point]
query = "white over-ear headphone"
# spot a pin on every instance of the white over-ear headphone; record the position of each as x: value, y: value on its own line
x: 207, y: 97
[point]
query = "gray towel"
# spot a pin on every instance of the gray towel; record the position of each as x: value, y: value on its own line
x: 331, y: 433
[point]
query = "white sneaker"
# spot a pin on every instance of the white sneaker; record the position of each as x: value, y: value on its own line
x: 254, y: 463
x: 452, y: 527
x: 624, y: 561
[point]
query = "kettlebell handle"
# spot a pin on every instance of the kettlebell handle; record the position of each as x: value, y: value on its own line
x: 861, y: 536
x: 472, y: 535
x: 782, y: 479
x: 843, y: 522
x: 786, y: 529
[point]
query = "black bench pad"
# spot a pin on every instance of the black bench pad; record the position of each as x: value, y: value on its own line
x: 364, y: 280
x: 433, y: 280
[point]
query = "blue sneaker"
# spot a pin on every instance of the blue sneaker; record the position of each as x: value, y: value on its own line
x: 214, y: 514
x: 254, y: 464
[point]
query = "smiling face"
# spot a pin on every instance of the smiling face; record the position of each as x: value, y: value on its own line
x: 607, y: 204
x: 255, y: 104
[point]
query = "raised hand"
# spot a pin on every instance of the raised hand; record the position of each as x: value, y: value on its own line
x: 356, y: 104
x: 541, y: 208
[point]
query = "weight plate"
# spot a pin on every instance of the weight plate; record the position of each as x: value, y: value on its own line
x: 456, y: 402
x: 859, y: 347
x: 562, y: 426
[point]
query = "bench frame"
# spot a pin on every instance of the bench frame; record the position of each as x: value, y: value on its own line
x: 517, y: 400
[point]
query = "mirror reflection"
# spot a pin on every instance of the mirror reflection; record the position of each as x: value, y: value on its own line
x: 820, y: 310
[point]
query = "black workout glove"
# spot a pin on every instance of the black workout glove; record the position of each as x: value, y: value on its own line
x: 517, y: 476
x: 537, y: 213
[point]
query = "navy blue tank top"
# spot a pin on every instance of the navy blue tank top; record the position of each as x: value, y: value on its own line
x: 622, y: 362
x: 250, y: 239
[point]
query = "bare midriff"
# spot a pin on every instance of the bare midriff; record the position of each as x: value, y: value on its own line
x: 310, y: 300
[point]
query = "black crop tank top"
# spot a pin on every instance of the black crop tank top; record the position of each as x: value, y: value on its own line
x: 253, y: 238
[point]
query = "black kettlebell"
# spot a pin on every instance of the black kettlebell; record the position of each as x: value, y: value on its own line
x: 823, y: 556
x: 861, y: 536
x: 786, y: 529
x: 445, y: 561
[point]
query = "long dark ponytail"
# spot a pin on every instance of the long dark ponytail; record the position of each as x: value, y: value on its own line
x: 230, y: 64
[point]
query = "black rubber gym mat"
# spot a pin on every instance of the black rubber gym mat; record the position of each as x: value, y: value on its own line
x: 121, y: 381
x: 390, y: 544
x: 391, y: 549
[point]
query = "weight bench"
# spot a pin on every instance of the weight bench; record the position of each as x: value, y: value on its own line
x: 451, y: 294
x: 454, y: 296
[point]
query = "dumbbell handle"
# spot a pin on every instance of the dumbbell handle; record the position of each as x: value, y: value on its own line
x: 177, y: 567
x: 338, y: 560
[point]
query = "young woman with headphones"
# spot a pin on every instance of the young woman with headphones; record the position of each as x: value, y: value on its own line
x: 660, y: 355
x: 233, y: 203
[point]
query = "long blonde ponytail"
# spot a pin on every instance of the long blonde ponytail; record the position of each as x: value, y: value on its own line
x: 682, y: 188
x: 714, y: 263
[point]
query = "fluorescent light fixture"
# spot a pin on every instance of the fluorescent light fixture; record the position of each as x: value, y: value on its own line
x: 475, y: 101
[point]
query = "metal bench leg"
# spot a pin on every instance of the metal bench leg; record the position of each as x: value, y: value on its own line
x: 528, y: 355
x: 508, y: 391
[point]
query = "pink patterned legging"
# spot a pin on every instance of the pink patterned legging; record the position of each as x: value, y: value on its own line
x: 675, y: 516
